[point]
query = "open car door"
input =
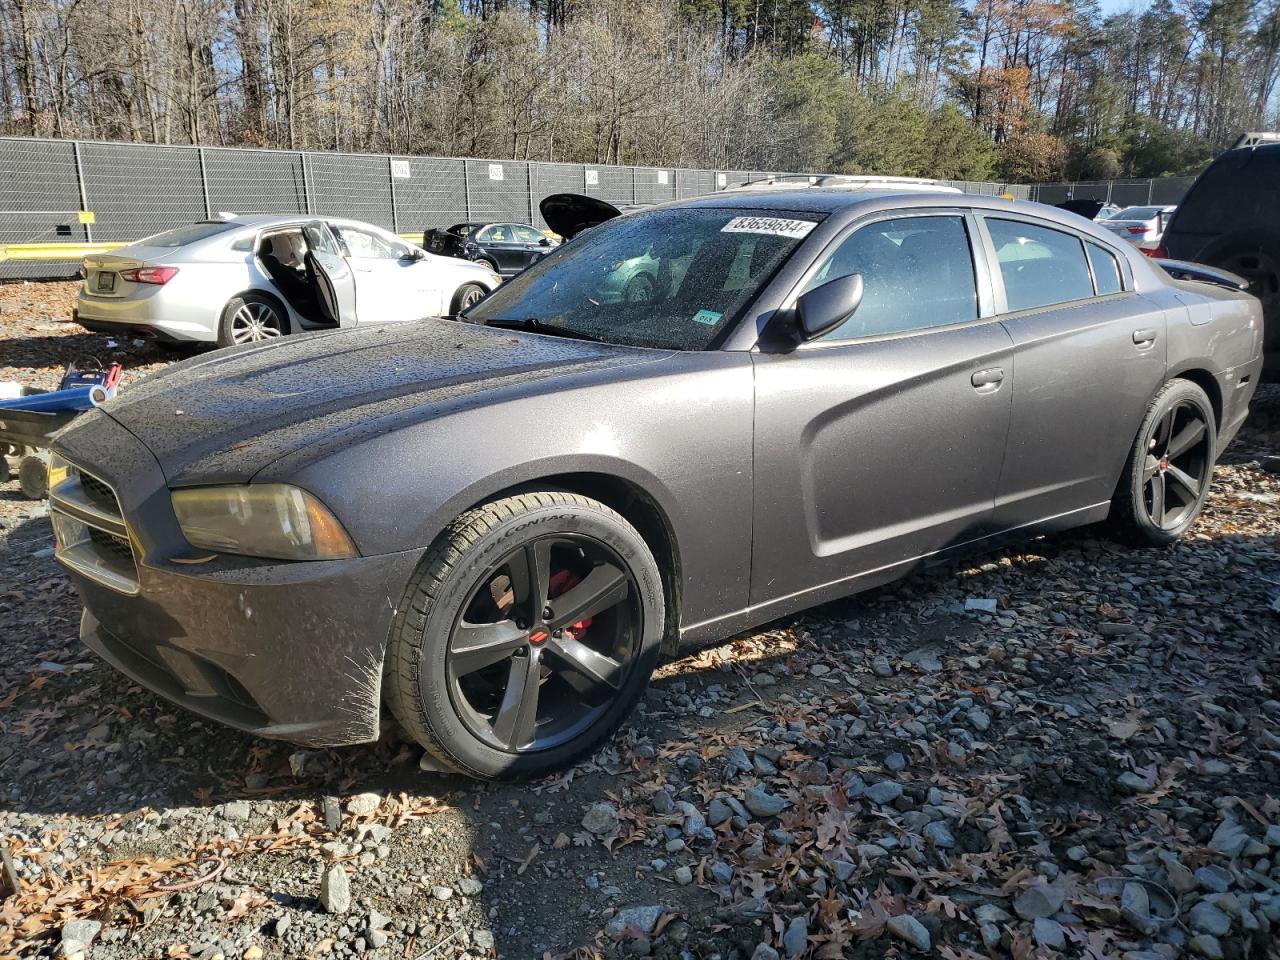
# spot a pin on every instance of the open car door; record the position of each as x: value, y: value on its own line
x: 568, y: 214
x: 329, y: 272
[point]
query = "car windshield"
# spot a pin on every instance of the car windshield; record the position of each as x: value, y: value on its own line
x: 669, y: 278
x: 1138, y: 213
x: 189, y: 234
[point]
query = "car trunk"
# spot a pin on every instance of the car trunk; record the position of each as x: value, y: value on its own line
x: 102, y: 270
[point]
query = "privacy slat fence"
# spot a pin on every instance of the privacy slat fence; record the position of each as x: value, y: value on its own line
x: 49, y: 188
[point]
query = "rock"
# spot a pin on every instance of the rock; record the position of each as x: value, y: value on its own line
x: 1135, y: 907
x: 601, y: 818
x: 881, y: 667
x: 332, y: 814
x: 895, y: 762
x: 694, y: 821
x: 1180, y: 878
x: 376, y: 939
x: 377, y: 921
x: 718, y: 812
x: 907, y: 928
x: 720, y: 871
x: 483, y: 940
x: 1213, y: 878
x: 843, y: 869
x: 1229, y: 839
x: 1077, y: 853
x: 335, y: 890
x: 1117, y: 629
x: 1038, y: 900
x: 236, y: 810
x: 252, y: 952
x: 1049, y: 933
x: 363, y: 804
x: 638, y: 920
x: 683, y: 876
x: 884, y: 792
x: 662, y: 803
x: 940, y: 835
x: 1272, y: 838
x: 1132, y: 782
x: 82, y: 932
x: 764, y: 952
x: 1206, y: 918
x: 442, y: 893
x: 1206, y: 946
x: 470, y: 887
x: 762, y: 803
x: 281, y: 926
x: 795, y: 939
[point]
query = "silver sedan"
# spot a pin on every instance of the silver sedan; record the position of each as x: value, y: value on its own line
x: 246, y: 278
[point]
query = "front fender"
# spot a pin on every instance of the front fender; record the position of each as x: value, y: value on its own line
x: 680, y: 431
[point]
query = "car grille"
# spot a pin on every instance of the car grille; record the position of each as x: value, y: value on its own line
x: 92, y: 537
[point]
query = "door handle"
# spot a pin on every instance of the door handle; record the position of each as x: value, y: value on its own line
x: 988, y: 380
x: 1144, y: 337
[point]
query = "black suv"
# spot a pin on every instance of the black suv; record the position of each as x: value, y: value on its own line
x: 1230, y: 218
x: 506, y: 247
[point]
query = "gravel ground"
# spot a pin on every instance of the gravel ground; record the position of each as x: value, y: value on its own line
x: 1067, y: 748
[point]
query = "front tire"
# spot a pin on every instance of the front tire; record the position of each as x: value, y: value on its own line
x: 466, y: 296
x: 251, y: 318
x: 526, y: 636
x: 1167, y: 476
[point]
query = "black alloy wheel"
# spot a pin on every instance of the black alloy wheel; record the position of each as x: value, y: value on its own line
x: 1166, y: 478
x: 545, y: 642
x: 526, y: 635
x: 1177, y: 465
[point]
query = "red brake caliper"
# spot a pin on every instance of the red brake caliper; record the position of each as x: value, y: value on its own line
x: 561, y: 583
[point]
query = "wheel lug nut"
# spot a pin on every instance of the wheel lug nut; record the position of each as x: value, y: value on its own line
x: 547, y: 613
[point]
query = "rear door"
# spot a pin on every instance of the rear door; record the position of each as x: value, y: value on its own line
x: 881, y: 442
x: 329, y: 271
x: 532, y: 243
x: 1089, y: 355
x: 498, y: 240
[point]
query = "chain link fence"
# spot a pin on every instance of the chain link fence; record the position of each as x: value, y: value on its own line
x: 75, y: 192
x: 1123, y: 193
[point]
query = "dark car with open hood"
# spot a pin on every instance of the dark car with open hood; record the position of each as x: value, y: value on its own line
x: 495, y: 527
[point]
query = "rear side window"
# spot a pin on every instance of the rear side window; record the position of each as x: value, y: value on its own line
x: 917, y: 272
x: 1106, y: 271
x: 1040, y: 266
x: 1240, y: 190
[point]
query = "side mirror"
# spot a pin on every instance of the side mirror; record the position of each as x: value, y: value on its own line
x: 414, y: 256
x: 826, y: 307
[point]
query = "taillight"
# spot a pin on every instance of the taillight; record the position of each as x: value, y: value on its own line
x: 1159, y: 253
x: 150, y: 274
x: 1136, y: 229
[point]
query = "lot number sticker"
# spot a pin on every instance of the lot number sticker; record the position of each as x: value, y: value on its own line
x: 495, y: 171
x: 400, y: 170
x: 662, y: 176
x: 709, y: 317
x: 593, y: 178
x: 771, y: 226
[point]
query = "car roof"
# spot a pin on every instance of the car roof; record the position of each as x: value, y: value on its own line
x: 833, y: 201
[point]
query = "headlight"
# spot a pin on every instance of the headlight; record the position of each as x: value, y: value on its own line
x: 272, y: 520
x: 59, y: 470
x: 495, y: 279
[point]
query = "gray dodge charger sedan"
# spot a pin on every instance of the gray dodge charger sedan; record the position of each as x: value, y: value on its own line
x: 496, y: 527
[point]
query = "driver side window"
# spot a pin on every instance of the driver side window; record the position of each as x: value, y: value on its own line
x: 917, y: 272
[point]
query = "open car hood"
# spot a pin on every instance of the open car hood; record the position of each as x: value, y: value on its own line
x: 568, y: 214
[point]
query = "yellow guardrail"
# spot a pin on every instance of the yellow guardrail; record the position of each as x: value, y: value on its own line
x: 54, y: 251
x: 78, y: 251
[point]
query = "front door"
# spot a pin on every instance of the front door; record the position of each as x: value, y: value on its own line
x: 499, y: 242
x: 332, y: 276
x: 881, y: 443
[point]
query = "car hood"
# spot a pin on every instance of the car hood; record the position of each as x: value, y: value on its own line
x: 225, y: 416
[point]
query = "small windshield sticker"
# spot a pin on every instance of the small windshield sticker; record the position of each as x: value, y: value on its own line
x: 709, y: 317
x: 772, y: 226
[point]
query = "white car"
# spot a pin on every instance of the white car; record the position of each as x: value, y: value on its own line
x: 241, y: 279
x: 1141, y: 226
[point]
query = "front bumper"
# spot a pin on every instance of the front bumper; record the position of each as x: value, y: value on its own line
x: 286, y: 650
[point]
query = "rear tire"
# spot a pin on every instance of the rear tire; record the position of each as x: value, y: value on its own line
x: 540, y: 693
x: 252, y: 318
x: 1167, y: 476
x: 467, y: 296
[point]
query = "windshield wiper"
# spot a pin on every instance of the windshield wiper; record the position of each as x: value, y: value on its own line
x: 534, y: 325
